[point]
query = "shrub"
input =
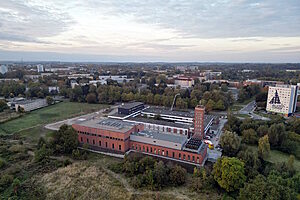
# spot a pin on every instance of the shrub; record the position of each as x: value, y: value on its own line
x: 2, y: 163
x: 177, y: 175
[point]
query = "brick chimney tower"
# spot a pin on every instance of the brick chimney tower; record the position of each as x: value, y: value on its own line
x: 199, y: 121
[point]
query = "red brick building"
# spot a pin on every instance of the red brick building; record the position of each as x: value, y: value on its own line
x: 199, y: 122
x: 120, y: 137
x: 106, y: 134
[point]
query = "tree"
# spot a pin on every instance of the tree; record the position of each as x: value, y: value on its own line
x: 220, y: 105
x: 177, y: 175
x: 229, y: 173
x: 160, y: 174
x: 91, y: 98
x: 277, y: 134
x: 262, y: 130
x: 3, y: 105
x: 65, y: 139
x: 249, y: 136
x: 210, y: 105
x: 42, y: 154
x: 230, y: 142
x: 251, y: 160
x: 224, y: 87
x: 263, y: 147
x: 272, y: 187
x: 49, y: 100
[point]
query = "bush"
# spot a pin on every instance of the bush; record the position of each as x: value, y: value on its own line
x: 178, y: 175
x: 42, y: 154
x: 67, y: 162
x: 116, y: 167
x: 2, y: 163
x: 5, y: 181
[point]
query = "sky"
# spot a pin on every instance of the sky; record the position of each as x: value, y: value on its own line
x: 150, y: 30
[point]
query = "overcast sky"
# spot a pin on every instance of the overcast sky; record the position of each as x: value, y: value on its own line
x: 150, y: 30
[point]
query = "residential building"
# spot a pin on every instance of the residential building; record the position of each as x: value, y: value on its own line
x: 184, y: 82
x: 40, y: 68
x: 3, y: 69
x: 283, y: 99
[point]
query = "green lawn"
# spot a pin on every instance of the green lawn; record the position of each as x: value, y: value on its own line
x: 38, y: 118
x: 278, y: 157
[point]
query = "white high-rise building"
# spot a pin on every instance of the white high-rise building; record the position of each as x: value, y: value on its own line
x: 3, y: 69
x: 40, y: 68
x: 283, y: 99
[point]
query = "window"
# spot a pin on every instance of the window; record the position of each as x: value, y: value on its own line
x: 183, y: 156
x: 113, y: 146
x: 179, y: 155
x: 100, y: 143
x: 94, y: 142
x: 143, y: 148
x: 158, y: 151
x: 133, y: 146
x: 173, y: 154
x: 106, y: 144
x: 198, y: 161
x: 87, y: 140
x: 136, y: 147
x: 163, y: 152
x: 81, y: 139
x: 120, y: 147
x: 189, y: 157
x: 193, y: 158
x: 155, y: 151
x: 151, y: 149
x: 167, y: 153
x: 147, y: 149
x: 140, y: 148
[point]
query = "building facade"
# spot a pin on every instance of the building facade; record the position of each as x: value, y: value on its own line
x: 121, y: 137
x: 107, y: 134
x: 282, y: 99
x: 199, y: 122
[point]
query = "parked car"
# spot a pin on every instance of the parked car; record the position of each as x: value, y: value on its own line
x: 207, y: 137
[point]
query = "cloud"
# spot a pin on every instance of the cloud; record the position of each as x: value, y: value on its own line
x: 27, y: 22
x: 213, y: 18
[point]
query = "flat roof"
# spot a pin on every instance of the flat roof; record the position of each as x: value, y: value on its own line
x: 162, y: 136
x: 28, y: 101
x: 131, y: 105
x: 165, y: 111
x: 108, y: 124
x: 159, y: 122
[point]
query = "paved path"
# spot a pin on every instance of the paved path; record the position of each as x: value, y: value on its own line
x: 95, y: 115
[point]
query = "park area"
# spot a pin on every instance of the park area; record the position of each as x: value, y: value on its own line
x: 33, y: 123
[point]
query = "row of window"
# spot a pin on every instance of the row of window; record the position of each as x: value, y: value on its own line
x: 100, y: 143
x: 165, y: 153
x: 169, y: 130
x: 93, y: 134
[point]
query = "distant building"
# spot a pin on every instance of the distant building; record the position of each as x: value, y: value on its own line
x: 40, y: 68
x: 53, y: 89
x: 130, y: 108
x: 262, y: 83
x: 3, y: 69
x: 117, y: 78
x: 184, y: 82
x: 282, y: 99
x: 29, y: 105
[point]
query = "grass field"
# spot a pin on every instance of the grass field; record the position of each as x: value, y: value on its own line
x: 278, y: 157
x: 36, y: 119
